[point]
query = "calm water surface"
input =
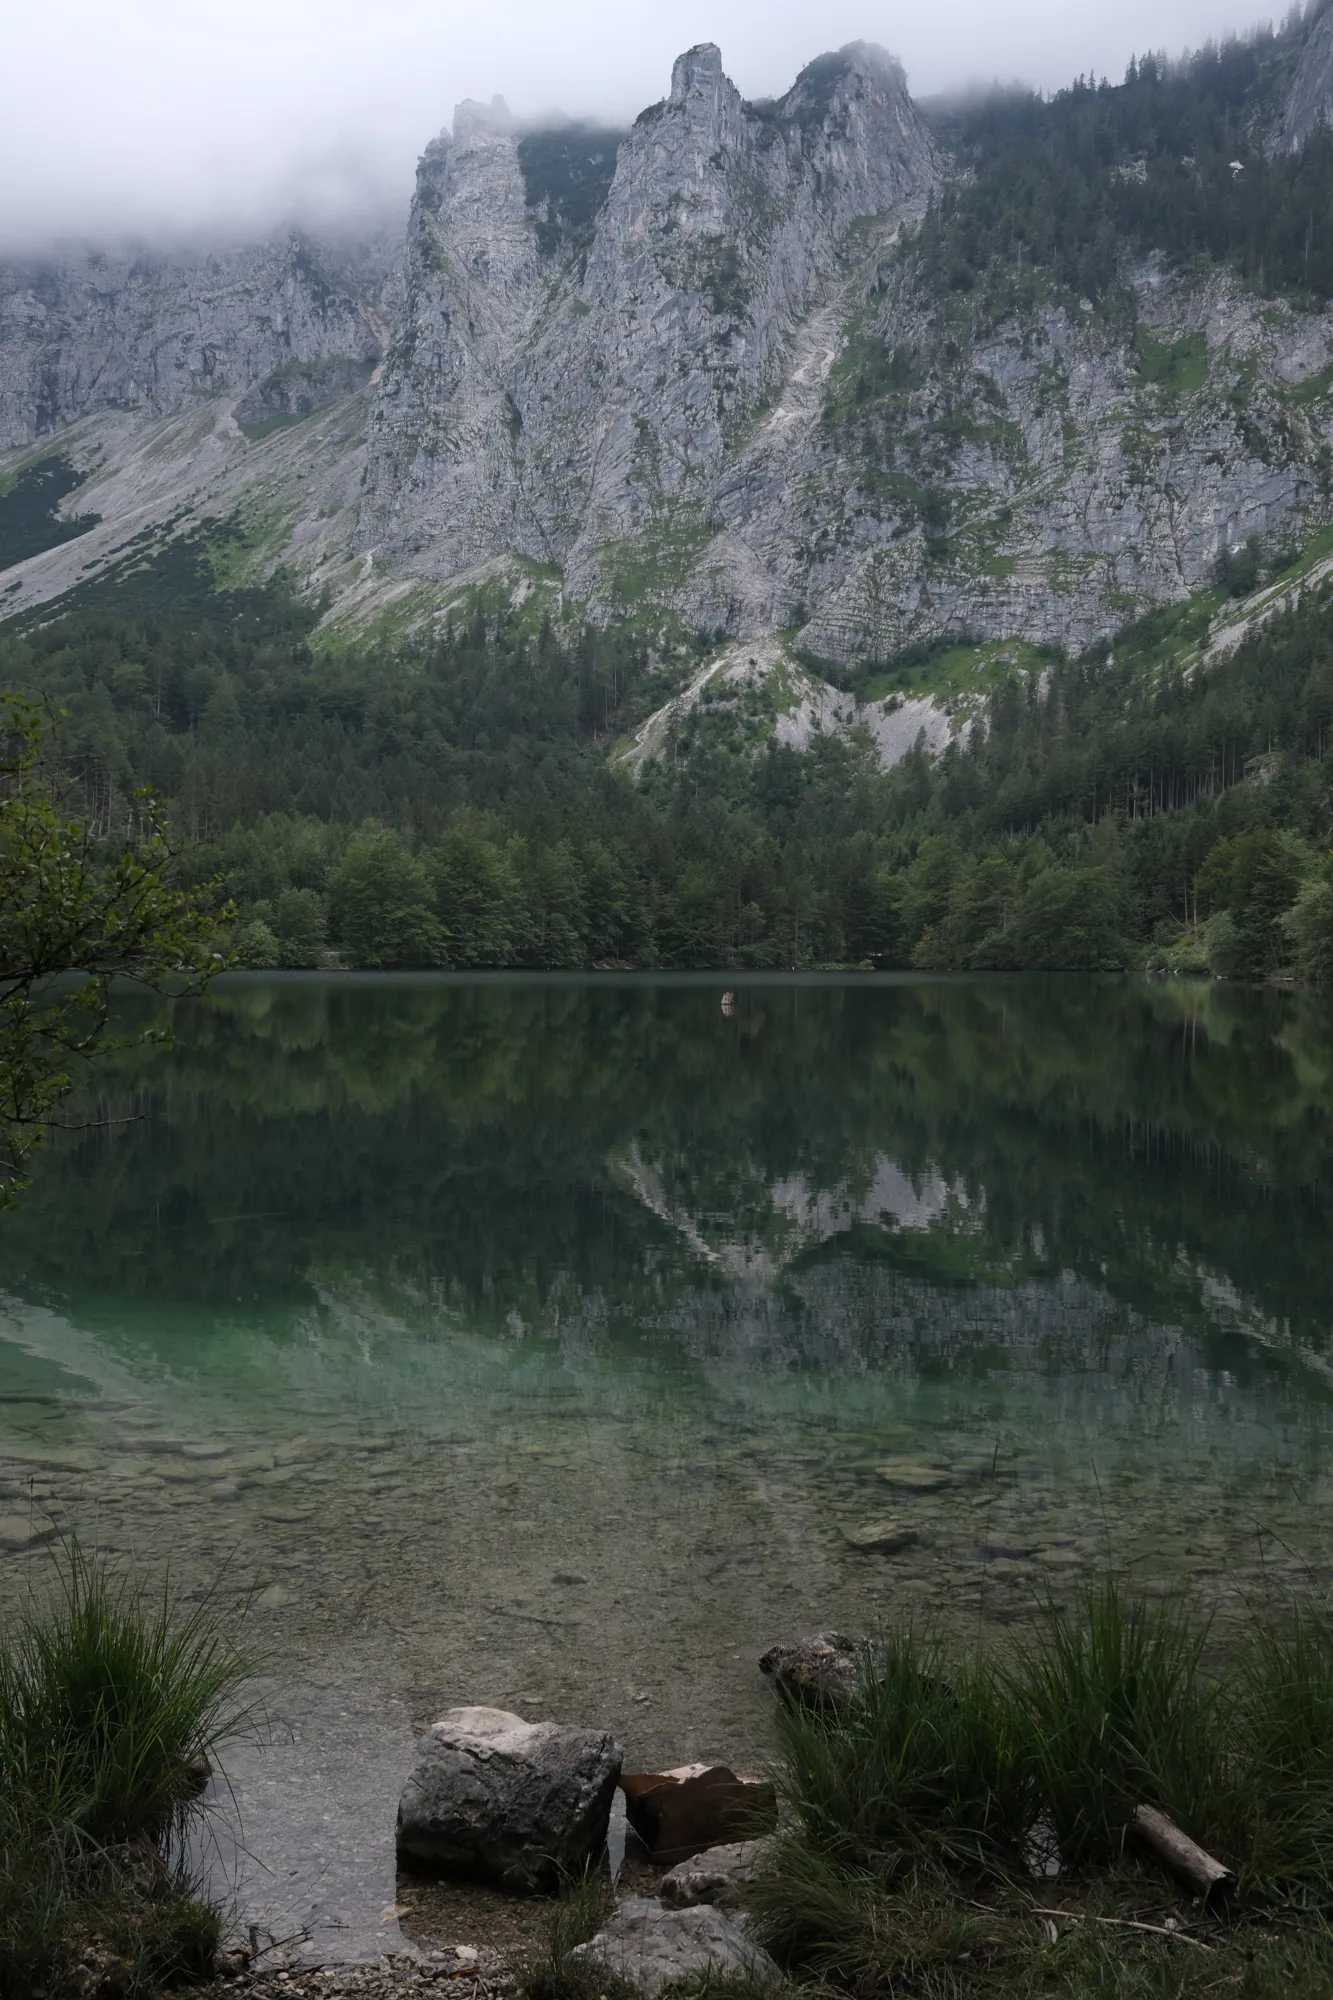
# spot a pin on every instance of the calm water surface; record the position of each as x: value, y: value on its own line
x: 546, y: 1343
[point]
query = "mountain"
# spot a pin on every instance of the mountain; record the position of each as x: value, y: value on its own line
x: 824, y: 531
x: 820, y: 366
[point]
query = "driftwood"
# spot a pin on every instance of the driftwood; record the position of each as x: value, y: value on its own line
x: 1123, y: 1923
x: 1183, y: 1856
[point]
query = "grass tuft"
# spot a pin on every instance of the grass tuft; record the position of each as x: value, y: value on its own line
x: 546, y: 1972
x: 1116, y: 1712
x: 925, y: 1766
x: 112, y: 1705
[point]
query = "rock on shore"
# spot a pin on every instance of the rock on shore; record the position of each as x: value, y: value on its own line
x: 519, y: 1803
x: 651, y: 1947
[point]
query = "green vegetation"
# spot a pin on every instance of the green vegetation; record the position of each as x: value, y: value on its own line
x: 281, y: 420
x: 1177, y: 368
x: 80, y: 910
x: 1064, y: 188
x: 923, y: 1811
x: 112, y: 1705
x: 546, y: 1972
x: 458, y: 800
x: 30, y: 520
x: 566, y: 175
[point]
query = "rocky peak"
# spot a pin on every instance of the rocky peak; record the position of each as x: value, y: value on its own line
x: 852, y: 115
x: 475, y: 120
x: 558, y: 411
x: 868, y: 59
x: 698, y: 73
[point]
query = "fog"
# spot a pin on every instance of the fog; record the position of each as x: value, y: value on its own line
x: 154, y: 119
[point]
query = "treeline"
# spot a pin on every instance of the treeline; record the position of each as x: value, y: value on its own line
x: 1173, y: 159
x: 455, y: 805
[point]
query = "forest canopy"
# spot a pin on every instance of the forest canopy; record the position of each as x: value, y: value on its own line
x: 454, y: 804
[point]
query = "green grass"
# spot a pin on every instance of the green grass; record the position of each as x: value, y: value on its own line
x: 955, y: 671
x: 282, y: 420
x: 546, y: 1971
x: 112, y: 1704
x: 920, y: 1818
x: 1177, y: 367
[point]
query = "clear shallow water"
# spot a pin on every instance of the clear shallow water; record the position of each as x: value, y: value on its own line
x: 544, y: 1343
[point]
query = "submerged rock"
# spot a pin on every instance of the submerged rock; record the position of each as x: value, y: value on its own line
x: 716, y: 1876
x: 651, y: 1947
x: 914, y: 1475
x: 520, y: 1803
x: 818, y: 1672
x: 882, y: 1538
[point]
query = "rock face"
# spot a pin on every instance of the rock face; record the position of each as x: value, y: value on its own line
x: 568, y: 404
x: 717, y: 1876
x: 158, y: 332
x: 669, y: 408
x: 650, y: 1947
x: 521, y: 1803
x: 695, y: 368
x: 1310, y: 103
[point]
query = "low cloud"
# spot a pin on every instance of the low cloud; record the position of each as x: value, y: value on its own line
x: 152, y: 119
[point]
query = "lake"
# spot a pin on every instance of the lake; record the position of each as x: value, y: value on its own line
x: 561, y: 1343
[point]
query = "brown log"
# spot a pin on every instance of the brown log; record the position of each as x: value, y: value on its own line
x: 1183, y: 1856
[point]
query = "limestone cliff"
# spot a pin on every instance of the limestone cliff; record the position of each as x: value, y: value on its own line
x: 699, y: 368
x: 1310, y: 103
x: 582, y: 408
x: 88, y: 329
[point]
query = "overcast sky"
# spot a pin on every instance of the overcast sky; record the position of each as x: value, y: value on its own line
x: 153, y: 115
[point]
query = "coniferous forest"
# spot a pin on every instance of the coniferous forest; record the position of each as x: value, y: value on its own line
x: 454, y: 804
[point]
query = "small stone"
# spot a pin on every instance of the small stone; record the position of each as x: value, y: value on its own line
x: 24, y: 1531
x: 881, y: 1538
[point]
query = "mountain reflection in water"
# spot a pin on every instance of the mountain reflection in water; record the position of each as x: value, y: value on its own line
x: 546, y: 1342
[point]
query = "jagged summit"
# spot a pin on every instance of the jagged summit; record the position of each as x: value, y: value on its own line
x: 697, y: 366
x: 561, y: 396
x: 697, y: 71
x: 472, y: 117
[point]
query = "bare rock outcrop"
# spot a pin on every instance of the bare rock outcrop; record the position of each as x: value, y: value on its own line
x: 88, y: 329
x: 1310, y: 101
